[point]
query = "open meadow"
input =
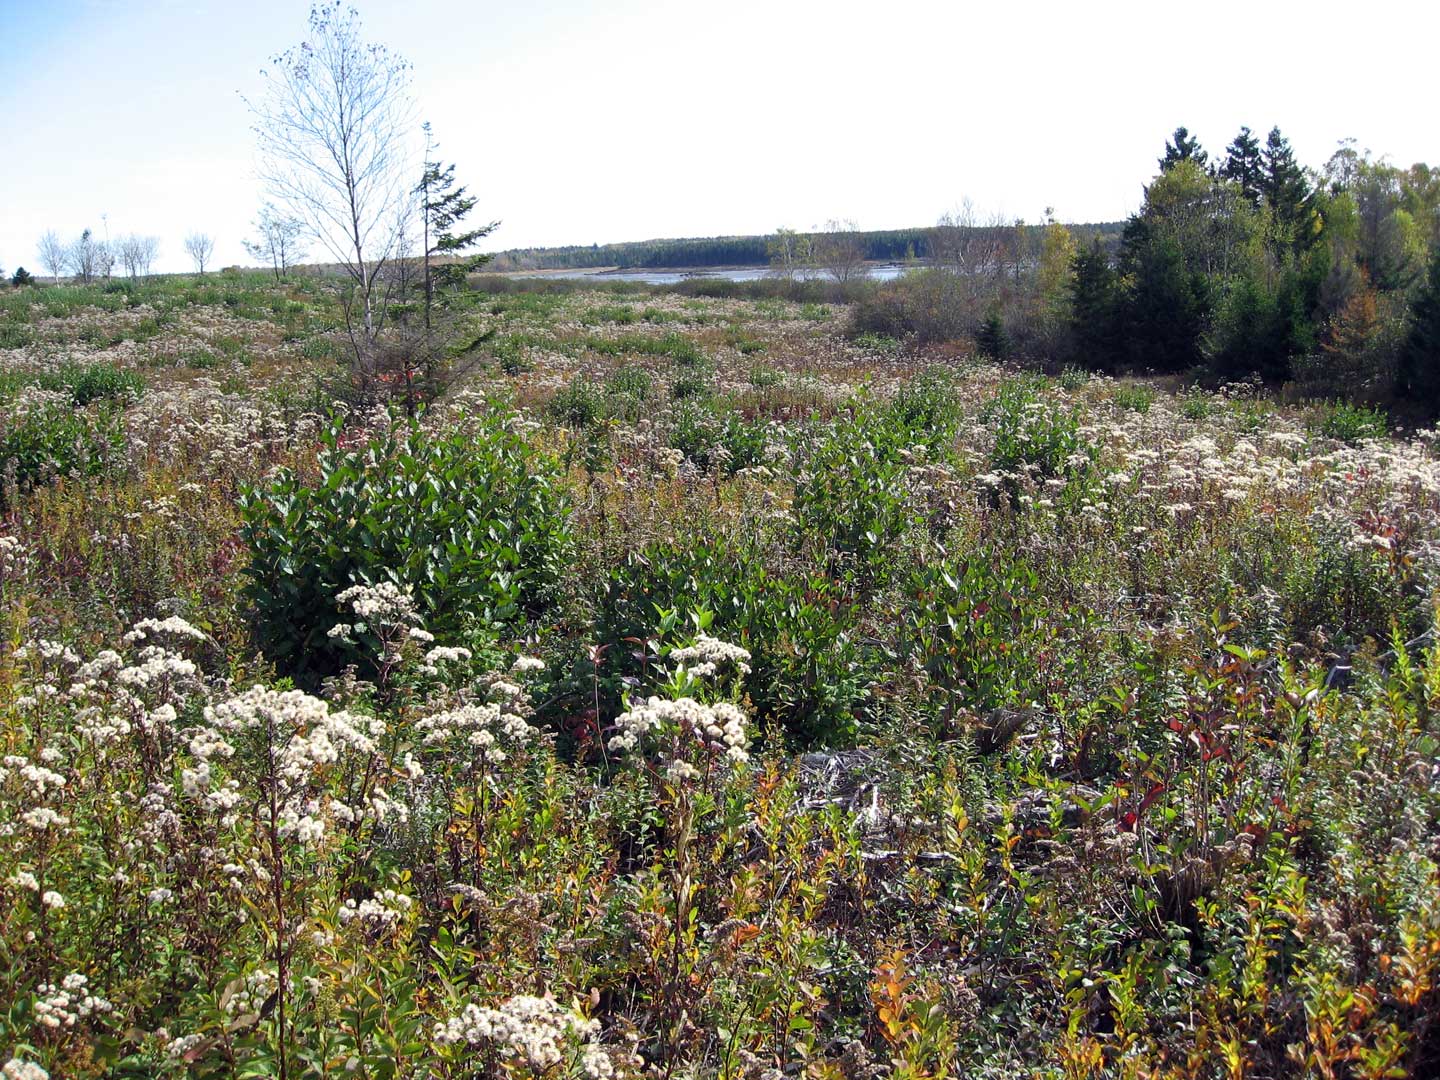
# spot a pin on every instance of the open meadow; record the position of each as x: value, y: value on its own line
x: 697, y: 689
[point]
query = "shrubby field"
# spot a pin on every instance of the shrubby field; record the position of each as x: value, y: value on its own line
x: 698, y: 690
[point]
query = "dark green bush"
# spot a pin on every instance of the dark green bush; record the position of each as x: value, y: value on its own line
x: 580, y: 405
x: 467, y: 517
x: 627, y: 391
x: 15, y: 335
x: 810, y: 678
x: 852, y: 495
x: 56, y: 440
x: 1035, y: 435
x: 93, y: 382
x: 1352, y: 423
x: 975, y: 626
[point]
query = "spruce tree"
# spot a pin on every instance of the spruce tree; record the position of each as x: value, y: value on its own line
x: 993, y: 342
x: 1286, y: 189
x: 442, y: 207
x: 1094, y: 309
x: 1244, y: 165
x: 22, y: 277
x: 1185, y: 148
x: 1166, y: 307
x: 1419, y: 368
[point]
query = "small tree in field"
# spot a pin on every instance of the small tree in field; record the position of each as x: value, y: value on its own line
x: 199, y: 246
x: 442, y: 207
x: 279, y: 240
x: 52, y: 254
x: 334, y: 126
x: 88, y: 259
x: 840, y: 251
x: 22, y: 277
x: 137, y: 253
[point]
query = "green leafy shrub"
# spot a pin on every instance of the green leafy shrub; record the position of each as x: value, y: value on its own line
x: 810, y: 677
x: 15, y: 335
x: 628, y: 390
x: 853, y: 496
x: 975, y: 626
x: 85, y: 383
x: 580, y: 405
x: 690, y: 384
x: 709, y: 439
x: 467, y: 517
x: 1196, y: 404
x: 927, y: 407
x: 1352, y: 423
x: 1034, y: 435
x: 93, y: 382
x: 52, y: 439
x: 611, y: 313
x: 878, y: 343
x: 1134, y: 397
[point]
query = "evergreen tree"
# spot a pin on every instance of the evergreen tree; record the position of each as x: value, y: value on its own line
x: 442, y: 207
x: 993, y: 341
x: 1184, y: 148
x: 1165, y: 308
x: 22, y: 277
x: 1287, y: 191
x: 1419, y: 368
x: 1244, y: 165
x: 1094, y: 309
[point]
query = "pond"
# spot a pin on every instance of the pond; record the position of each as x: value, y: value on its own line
x: 885, y: 272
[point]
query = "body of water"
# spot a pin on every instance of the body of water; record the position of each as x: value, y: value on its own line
x: 670, y: 277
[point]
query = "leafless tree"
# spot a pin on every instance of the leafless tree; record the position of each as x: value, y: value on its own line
x: 52, y: 254
x: 840, y: 250
x: 137, y: 254
x: 88, y: 259
x: 961, y: 242
x: 199, y: 246
x: 335, y: 128
x: 278, y: 240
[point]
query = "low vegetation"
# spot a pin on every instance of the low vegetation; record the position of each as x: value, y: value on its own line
x: 695, y: 689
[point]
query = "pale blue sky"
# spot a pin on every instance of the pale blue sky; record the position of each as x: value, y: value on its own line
x: 580, y: 122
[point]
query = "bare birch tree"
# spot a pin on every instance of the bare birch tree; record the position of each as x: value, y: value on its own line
x: 89, y: 259
x: 52, y: 254
x: 335, y: 127
x: 137, y: 254
x: 199, y: 246
x: 840, y: 251
x: 278, y: 240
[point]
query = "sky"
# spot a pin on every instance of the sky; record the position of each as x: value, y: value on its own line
x: 582, y: 122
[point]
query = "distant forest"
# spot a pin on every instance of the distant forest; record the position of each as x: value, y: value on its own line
x: 886, y: 245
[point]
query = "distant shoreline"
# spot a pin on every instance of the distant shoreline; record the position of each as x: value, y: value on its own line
x: 697, y: 271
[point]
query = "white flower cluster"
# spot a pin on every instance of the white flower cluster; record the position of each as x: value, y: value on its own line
x: 384, y: 603
x: 383, y: 911
x: 479, y: 725
x: 174, y: 626
x: 535, y: 1030
x: 250, y: 995
x: 12, y: 556
x: 63, y: 1005
x: 709, y: 655
x: 719, y: 727
x: 23, y: 879
x: 15, y: 1069
x: 181, y: 1045
x: 309, y: 737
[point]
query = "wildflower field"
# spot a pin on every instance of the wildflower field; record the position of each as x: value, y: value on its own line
x: 697, y: 690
